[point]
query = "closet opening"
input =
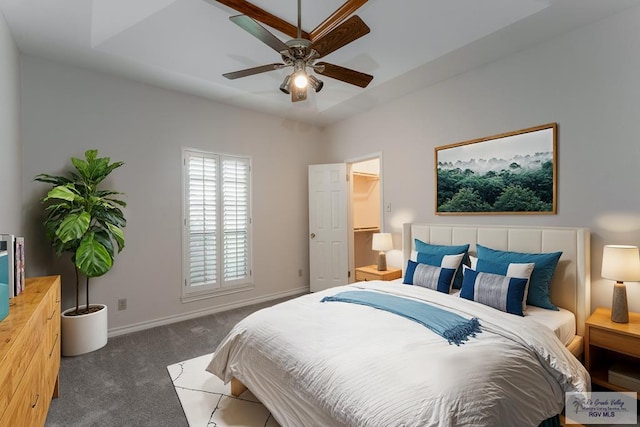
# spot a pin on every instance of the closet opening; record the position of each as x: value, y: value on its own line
x: 365, y: 203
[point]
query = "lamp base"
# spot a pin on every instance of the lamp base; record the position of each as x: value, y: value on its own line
x: 619, y: 307
x: 382, y: 261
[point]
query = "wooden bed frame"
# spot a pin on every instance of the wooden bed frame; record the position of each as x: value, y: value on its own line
x: 571, y: 283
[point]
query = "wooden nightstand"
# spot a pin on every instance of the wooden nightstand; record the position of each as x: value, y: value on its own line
x: 607, y: 342
x: 370, y: 272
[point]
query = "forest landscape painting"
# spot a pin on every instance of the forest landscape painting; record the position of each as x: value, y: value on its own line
x: 510, y: 173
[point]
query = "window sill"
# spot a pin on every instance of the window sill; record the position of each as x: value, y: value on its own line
x: 202, y: 295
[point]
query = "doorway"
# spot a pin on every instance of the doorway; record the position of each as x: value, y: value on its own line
x: 365, y: 210
x: 345, y: 210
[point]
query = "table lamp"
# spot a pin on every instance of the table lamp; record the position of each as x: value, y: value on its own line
x: 622, y: 264
x: 382, y: 242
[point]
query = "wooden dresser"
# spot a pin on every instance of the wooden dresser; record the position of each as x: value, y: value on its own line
x: 30, y: 353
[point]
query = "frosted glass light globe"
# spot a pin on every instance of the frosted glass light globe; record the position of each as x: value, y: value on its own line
x: 301, y: 81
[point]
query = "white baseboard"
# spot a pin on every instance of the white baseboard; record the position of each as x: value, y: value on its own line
x: 114, y: 332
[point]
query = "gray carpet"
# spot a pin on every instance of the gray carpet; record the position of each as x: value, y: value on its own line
x: 126, y: 383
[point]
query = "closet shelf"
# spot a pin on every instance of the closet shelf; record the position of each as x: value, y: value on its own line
x: 362, y: 229
x: 366, y: 175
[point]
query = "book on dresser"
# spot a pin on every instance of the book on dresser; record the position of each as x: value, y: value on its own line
x: 18, y: 262
x: 7, y: 262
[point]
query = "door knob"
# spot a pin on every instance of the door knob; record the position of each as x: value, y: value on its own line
x: 312, y: 235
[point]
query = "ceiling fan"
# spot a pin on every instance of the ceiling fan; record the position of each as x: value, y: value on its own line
x: 302, y: 51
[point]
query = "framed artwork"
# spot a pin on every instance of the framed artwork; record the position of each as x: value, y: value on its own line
x: 510, y: 173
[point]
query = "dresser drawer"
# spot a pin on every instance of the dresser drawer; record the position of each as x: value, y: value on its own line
x: 362, y: 276
x: 51, y: 369
x: 30, y: 401
x: 52, y: 319
x: 621, y: 343
x: 30, y: 353
x: 371, y: 273
x: 23, y: 349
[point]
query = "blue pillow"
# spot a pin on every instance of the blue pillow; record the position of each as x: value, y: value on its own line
x: 437, y: 252
x: 540, y: 280
x: 495, y: 290
x: 428, y: 276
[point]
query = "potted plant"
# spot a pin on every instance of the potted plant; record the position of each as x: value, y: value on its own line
x: 87, y: 222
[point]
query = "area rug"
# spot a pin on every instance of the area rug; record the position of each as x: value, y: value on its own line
x: 207, y: 401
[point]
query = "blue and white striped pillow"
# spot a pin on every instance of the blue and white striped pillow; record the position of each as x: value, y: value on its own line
x: 501, y: 292
x: 429, y: 276
x: 444, y: 261
x: 517, y: 270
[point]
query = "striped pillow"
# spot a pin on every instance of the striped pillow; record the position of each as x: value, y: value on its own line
x: 428, y: 276
x: 501, y: 292
x: 517, y: 270
x: 440, y: 251
x: 444, y: 261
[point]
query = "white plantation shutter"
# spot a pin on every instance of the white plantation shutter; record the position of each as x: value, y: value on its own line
x: 217, y: 222
x: 202, y: 220
x: 235, y: 218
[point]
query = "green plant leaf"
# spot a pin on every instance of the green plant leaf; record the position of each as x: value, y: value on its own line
x: 52, y: 179
x: 92, y: 258
x: 104, y: 238
x: 119, y: 202
x: 118, y: 235
x: 113, y: 216
x: 62, y: 192
x: 81, y: 166
x: 91, y: 155
x: 73, y: 226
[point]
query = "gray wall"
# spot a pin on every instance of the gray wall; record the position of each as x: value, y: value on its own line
x: 68, y: 110
x: 587, y: 81
x: 10, y: 149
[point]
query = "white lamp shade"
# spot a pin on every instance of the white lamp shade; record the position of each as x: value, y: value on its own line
x: 621, y: 263
x: 382, y: 242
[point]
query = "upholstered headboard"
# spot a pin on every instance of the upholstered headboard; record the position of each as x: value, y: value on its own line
x: 571, y: 284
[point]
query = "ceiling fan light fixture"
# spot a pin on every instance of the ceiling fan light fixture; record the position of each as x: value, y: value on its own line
x: 285, y: 87
x: 301, y: 80
x: 298, y: 94
x: 315, y: 83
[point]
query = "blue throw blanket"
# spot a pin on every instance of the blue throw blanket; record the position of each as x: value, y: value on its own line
x: 451, y: 326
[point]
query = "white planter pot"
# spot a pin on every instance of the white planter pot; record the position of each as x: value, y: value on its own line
x: 85, y: 333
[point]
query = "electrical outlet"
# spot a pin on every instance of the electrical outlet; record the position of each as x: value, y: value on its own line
x: 122, y: 304
x: 388, y: 207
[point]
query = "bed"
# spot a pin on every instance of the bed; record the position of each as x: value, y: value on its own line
x: 335, y: 364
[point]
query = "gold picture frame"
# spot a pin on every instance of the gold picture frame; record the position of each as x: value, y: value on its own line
x: 505, y: 174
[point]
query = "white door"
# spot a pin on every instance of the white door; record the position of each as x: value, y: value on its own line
x: 328, y: 238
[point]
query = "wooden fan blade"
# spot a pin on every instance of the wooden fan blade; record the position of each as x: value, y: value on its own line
x: 336, y: 18
x: 345, y: 74
x: 251, y: 71
x: 350, y: 30
x: 261, y: 15
x: 252, y: 26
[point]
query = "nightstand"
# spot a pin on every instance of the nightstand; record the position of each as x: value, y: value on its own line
x: 370, y: 272
x: 607, y: 342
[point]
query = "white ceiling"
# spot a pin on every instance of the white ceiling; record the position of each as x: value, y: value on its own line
x: 187, y: 44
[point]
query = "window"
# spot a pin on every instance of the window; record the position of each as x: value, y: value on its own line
x: 217, y: 224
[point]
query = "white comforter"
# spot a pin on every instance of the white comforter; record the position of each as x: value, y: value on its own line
x: 341, y: 364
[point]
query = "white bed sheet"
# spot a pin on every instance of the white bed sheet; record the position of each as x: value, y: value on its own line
x: 562, y: 322
x: 338, y: 364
